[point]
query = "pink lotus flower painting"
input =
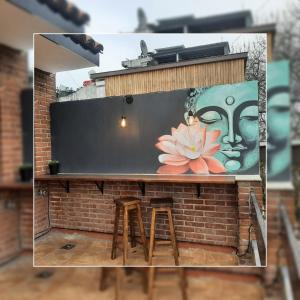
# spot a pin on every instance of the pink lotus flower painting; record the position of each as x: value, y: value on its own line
x: 189, y: 148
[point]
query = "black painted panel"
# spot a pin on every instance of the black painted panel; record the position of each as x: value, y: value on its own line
x: 87, y: 136
x: 27, y: 123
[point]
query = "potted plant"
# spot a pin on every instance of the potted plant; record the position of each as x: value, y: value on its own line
x: 53, y: 167
x: 26, y: 172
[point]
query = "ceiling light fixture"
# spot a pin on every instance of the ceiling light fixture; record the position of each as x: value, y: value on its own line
x: 129, y: 100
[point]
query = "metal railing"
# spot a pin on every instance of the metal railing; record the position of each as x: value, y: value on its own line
x: 258, y: 246
x: 256, y: 253
x: 294, y: 249
x: 259, y: 217
x: 287, y: 286
x: 293, y: 243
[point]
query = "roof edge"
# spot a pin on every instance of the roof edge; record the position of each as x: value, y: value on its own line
x: 73, y: 46
x: 212, y: 59
x: 263, y: 28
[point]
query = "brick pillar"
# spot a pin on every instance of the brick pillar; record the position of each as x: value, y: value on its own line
x: 243, y: 191
x: 9, y: 227
x: 15, y: 215
x: 275, y: 197
x: 15, y: 223
x: 13, y: 79
x: 44, y: 94
x: 25, y: 219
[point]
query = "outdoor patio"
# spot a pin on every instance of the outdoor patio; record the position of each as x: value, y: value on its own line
x: 18, y: 280
x: 48, y: 252
x: 145, y: 161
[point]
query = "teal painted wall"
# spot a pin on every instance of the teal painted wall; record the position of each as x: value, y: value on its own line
x: 278, y: 122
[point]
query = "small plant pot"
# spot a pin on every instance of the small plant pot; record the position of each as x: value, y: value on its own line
x: 54, y: 169
x: 26, y: 174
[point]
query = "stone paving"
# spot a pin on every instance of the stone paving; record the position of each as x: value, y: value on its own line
x: 94, y: 250
x: 18, y: 281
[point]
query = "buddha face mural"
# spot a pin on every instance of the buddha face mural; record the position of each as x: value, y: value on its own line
x: 279, y: 122
x: 233, y: 111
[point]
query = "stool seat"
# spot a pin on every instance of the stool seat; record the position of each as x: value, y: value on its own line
x: 127, y: 201
x: 161, y: 202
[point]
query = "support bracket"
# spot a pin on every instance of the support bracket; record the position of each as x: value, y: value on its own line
x: 100, y: 186
x: 198, y: 186
x: 142, y: 187
x: 66, y: 186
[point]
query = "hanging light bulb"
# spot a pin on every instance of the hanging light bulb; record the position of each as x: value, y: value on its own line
x: 123, y: 122
x: 191, y: 118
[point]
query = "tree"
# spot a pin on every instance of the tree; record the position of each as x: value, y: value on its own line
x: 63, y: 91
x: 287, y: 46
x: 256, y: 70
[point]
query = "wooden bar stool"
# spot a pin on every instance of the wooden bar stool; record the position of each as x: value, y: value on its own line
x: 162, y: 206
x: 154, y: 281
x: 123, y: 276
x: 105, y: 273
x: 128, y: 205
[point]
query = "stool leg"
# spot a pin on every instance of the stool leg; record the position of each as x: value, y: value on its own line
x: 151, y: 278
x: 132, y: 231
x: 183, y: 283
x: 119, y: 275
x: 145, y: 279
x: 102, y: 279
x: 115, y: 234
x: 125, y: 236
x: 173, y: 237
x: 152, y: 235
x: 142, y: 231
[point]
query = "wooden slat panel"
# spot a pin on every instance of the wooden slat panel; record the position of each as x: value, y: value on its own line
x: 269, y: 46
x: 200, y: 75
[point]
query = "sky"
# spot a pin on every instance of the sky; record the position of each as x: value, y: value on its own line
x: 119, y: 16
x: 113, y: 16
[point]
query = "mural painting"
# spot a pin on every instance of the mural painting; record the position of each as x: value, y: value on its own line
x: 279, y: 122
x: 223, y: 136
x: 191, y: 131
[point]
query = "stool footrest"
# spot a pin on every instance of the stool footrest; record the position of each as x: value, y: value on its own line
x: 163, y: 243
x: 163, y: 253
x: 166, y: 283
x: 161, y: 202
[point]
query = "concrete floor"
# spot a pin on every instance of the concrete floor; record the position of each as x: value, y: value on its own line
x: 93, y: 249
x: 18, y: 281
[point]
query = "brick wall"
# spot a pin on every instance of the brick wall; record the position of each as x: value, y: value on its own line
x: 15, y: 223
x: 9, y: 228
x: 15, y: 220
x: 25, y: 219
x: 44, y: 94
x: 211, y: 219
x: 41, y: 219
x: 13, y: 78
x: 243, y: 191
